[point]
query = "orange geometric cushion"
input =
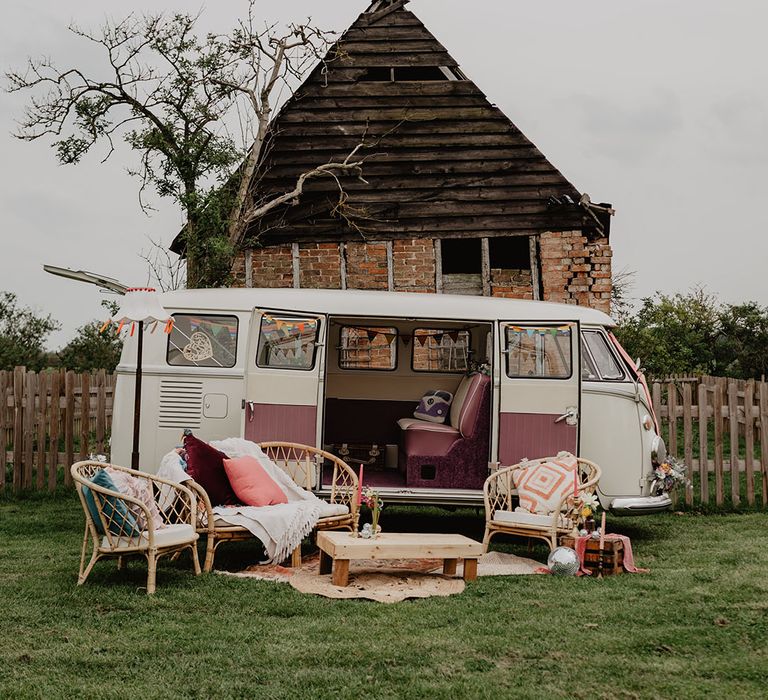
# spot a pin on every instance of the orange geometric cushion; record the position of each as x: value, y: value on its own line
x: 251, y: 483
x: 543, y: 486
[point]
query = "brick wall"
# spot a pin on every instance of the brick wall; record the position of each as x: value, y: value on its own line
x: 575, y: 270
x: 367, y: 266
x: 320, y: 266
x: 512, y: 284
x: 414, y: 265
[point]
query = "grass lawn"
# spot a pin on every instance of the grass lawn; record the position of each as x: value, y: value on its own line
x: 696, y: 626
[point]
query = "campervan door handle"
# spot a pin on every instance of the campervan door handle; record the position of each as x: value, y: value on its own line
x: 571, y: 416
x: 251, y: 410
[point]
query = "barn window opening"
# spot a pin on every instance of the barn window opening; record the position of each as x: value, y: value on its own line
x: 462, y: 263
x: 510, y: 253
x: 411, y: 74
x: 461, y: 256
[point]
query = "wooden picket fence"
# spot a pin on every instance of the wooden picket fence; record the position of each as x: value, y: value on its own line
x: 719, y: 428
x: 49, y: 419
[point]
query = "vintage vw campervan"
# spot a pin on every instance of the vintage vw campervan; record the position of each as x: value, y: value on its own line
x: 496, y: 380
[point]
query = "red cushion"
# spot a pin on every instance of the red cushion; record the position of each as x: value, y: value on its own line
x: 252, y: 484
x: 205, y: 465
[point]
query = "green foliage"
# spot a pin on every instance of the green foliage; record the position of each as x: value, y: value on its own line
x: 90, y: 350
x: 22, y: 335
x: 693, y: 333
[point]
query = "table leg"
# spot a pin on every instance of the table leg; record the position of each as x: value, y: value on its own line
x: 326, y: 563
x: 470, y: 569
x: 340, y: 572
x: 449, y: 566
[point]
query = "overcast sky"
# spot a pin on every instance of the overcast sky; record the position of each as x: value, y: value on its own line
x: 658, y: 106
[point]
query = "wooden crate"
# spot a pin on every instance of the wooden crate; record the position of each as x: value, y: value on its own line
x: 613, y: 555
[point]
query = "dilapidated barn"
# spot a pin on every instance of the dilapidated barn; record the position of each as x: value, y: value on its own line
x: 455, y: 200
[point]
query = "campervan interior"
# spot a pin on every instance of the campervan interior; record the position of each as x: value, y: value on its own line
x: 378, y: 371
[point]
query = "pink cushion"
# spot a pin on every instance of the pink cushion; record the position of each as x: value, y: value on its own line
x: 252, y: 484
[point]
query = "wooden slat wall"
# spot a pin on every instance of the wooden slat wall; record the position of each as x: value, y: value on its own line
x: 36, y: 417
x: 442, y: 160
x: 730, y: 417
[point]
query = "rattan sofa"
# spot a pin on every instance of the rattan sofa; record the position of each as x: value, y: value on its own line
x: 305, y: 465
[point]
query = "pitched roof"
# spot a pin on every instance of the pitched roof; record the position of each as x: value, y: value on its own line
x: 446, y: 161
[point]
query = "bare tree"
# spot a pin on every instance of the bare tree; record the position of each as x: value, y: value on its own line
x: 195, y: 108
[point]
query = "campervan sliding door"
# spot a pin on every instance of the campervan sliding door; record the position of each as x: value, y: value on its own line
x: 540, y: 386
x: 284, y: 376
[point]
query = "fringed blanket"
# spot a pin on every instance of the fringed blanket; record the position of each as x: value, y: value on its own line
x: 280, y: 528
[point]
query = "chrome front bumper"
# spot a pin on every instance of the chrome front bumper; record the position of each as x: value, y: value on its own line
x: 640, y: 505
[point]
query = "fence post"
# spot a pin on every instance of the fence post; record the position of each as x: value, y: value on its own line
x: 42, y: 412
x: 29, y: 427
x: 69, y: 425
x: 733, y: 413
x: 55, y: 422
x: 18, y: 426
x: 764, y: 439
x: 3, y: 428
x: 101, y: 409
x: 749, y: 439
x: 718, y: 422
x: 703, y: 443
x: 688, y: 441
x: 85, y: 414
x: 672, y: 417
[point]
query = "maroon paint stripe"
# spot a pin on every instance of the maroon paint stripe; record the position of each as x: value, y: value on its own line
x: 533, y: 435
x: 281, y: 422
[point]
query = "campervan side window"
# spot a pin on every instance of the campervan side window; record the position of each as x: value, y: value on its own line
x: 368, y: 347
x: 440, y: 350
x: 539, y: 352
x: 199, y: 340
x: 287, y: 343
x: 607, y: 365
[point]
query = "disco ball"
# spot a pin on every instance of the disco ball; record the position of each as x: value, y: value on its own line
x: 563, y: 561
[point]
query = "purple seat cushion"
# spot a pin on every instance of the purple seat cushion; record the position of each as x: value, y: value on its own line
x: 206, y: 467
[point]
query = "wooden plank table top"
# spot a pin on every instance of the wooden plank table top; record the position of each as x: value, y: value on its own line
x: 338, y: 548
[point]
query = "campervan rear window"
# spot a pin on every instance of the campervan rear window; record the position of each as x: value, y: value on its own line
x: 440, y: 350
x: 287, y: 343
x: 368, y: 347
x: 543, y: 352
x: 199, y: 340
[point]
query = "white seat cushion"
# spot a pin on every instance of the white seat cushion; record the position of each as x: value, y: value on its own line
x: 416, y: 424
x: 329, y: 510
x: 168, y: 536
x: 524, y: 517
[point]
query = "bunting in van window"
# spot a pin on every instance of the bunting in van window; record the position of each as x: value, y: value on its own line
x: 530, y: 331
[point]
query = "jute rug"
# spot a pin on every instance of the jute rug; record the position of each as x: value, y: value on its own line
x: 389, y: 581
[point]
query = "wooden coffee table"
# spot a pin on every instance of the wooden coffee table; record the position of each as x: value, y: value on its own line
x: 338, y: 548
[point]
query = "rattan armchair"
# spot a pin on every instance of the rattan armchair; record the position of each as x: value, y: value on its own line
x: 305, y: 465
x: 113, y: 536
x: 500, y: 500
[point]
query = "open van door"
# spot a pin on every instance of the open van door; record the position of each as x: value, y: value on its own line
x: 540, y: 390
x: 285, y: 375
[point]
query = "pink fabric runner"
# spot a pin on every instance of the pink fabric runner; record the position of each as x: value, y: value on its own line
x: 629, y: 559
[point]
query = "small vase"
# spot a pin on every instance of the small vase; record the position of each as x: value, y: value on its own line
x: 589, y: 524
x: 375, y: 527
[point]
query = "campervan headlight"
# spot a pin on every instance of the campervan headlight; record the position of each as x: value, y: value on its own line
x: 658, y: 451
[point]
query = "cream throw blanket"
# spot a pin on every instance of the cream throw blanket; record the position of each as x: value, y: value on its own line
x: 280, y: 528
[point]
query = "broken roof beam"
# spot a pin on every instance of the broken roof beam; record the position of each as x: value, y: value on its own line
x: 386, y: 11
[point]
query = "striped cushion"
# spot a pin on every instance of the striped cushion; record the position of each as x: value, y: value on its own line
x: 542, y: 486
